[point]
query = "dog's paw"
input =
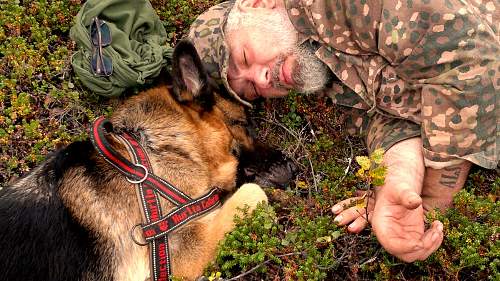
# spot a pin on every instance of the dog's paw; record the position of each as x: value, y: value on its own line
x: 249, y: 194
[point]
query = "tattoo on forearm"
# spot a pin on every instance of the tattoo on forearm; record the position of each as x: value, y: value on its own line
x: 450, y: 176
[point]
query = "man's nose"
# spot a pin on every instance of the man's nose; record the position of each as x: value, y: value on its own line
x: 261, y: 76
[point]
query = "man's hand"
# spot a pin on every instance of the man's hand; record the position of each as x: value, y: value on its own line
x: 398, y: 223
x: 398, y: 216
x: 438, y: 190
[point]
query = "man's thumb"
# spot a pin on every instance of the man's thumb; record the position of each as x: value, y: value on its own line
x: 409, y: 199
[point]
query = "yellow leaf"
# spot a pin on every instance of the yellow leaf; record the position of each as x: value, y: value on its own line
x: 301, y: 184
x: 364, y: 162
x: 378, y: 173
x: 361, y: 205
x: 324, y: 239
x: 360, y: 173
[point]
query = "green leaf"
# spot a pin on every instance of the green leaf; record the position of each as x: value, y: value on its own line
x: 377, y: 156
x: 324, y: 239
x: 378, y: 182
x: 335, y: 235
x: 378, y: 173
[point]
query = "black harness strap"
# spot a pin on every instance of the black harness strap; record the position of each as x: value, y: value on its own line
x: 156, y: 226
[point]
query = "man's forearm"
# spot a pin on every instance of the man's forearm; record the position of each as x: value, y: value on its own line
x: 449, y: 178
x: 441, y: 184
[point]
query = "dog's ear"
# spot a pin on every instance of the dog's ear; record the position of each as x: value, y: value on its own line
x: 191, y: 82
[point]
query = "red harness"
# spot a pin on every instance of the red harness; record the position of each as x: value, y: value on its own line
x: 156, y: 227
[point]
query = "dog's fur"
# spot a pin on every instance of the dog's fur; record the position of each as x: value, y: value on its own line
x: 69, y: 219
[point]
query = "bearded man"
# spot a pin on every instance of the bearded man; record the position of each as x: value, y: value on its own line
x: 418, y: 78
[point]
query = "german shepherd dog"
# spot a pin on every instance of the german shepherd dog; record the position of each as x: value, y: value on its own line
x: 71, y: 217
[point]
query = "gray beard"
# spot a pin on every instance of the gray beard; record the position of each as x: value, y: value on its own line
x: 309, y: 73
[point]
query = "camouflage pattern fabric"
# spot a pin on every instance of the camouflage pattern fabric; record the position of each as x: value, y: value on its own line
x: 408, y: 68
x: 207, y: 34
x: 378, y: 130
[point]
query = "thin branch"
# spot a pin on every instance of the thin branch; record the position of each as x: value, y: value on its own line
x: 261, y: 264
x: 346, y: 171
x: 297, y: 137
x: 370, y: 260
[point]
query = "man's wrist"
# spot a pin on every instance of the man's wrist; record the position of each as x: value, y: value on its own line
x: 405, y: 167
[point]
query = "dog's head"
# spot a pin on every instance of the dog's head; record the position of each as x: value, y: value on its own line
x: 224, y: 119
x: 193, y: 87
x: 193, y: 131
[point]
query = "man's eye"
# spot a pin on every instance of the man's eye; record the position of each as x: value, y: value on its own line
x: 251, y: 83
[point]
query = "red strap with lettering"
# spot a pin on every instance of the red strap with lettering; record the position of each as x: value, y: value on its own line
x: 181, y: 216
x: 130, y: 170
x: 156, y: 227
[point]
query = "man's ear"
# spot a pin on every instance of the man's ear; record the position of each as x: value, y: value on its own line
x: 249, y: 4
x: 190, y: 79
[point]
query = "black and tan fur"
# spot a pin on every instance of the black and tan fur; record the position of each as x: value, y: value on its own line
x: 69, y: 219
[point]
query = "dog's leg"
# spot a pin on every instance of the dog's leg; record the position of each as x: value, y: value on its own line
x: 191, y: 265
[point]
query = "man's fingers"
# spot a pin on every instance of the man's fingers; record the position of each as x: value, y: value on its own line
x: 350, y: 215
x: 358, y: 225
x: 431, y: 239
x: 339, y: 207
x: 401, y: 247
x: 396, y: 240
x: 430, y: 242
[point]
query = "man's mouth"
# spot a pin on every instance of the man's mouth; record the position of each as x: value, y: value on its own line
x: 286, y: 73
x: 282, y: 73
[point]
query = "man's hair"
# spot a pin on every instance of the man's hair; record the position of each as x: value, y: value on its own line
x: 276, y: 22
x: 233, y: 20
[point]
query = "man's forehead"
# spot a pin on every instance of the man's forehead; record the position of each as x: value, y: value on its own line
x: 207, y: 34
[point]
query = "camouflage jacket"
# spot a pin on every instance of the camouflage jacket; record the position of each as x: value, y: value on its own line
x: 413, y: 68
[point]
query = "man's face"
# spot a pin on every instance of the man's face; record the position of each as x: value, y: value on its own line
x: 265, y: 60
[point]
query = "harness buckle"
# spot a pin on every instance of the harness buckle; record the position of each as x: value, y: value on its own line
x: 146, y: 174
x: 132, y: 231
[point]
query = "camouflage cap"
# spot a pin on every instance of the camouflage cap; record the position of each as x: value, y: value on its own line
x: 207, y: 34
